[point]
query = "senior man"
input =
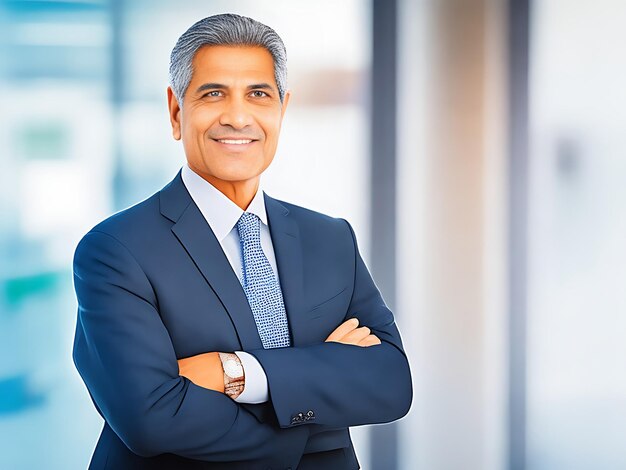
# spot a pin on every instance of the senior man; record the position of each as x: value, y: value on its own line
x: 218, y: 327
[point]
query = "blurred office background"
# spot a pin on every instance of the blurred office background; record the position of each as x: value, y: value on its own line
x: 477, y: 146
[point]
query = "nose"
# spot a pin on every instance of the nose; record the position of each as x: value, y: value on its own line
x: 236, y: 114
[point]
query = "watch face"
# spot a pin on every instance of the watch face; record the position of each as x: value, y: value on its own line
x: 233, y: 368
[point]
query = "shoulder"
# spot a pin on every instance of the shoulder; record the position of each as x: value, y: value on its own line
x: 131, y: 219
x: 146, y: 216
x: 317, y: 223
x: 130, y: 227
x: 305, y: 214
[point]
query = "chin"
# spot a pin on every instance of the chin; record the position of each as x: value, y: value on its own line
x: 237, y: 175
x: 235, y: 178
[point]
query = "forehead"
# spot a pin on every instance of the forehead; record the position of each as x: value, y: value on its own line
x: 221, y: 63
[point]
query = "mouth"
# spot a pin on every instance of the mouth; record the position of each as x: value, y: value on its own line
x: 235, y: 144
x: 234, y: 141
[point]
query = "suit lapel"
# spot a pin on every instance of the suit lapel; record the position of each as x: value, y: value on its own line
x: 195, y: 234
x: 288, y: 250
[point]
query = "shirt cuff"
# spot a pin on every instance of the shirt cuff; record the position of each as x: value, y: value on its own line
x: 255, y: 390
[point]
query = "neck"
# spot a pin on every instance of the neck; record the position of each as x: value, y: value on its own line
x: 240, y: 192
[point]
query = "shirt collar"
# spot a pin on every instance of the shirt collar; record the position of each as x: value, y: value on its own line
x: 220, y: 212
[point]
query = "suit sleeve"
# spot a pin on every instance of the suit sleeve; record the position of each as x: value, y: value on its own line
x: 124, y: 354
x: 338, y: 385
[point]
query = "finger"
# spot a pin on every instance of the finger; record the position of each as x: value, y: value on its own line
x: 343, y: 329
x: 370, y: 340
x: 356, y: 335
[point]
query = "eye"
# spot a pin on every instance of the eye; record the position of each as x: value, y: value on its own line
x: 212, y: 93
x: 259, y: 94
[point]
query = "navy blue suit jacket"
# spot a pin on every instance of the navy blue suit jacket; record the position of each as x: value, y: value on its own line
x: 154, y: 286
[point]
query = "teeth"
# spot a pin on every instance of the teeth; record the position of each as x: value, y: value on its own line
x: 236, y: 142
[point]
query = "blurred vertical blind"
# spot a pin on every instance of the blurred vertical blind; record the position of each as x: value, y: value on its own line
x: 577, y: 229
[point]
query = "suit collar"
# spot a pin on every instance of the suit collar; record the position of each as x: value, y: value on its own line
x: 220, y: 212
x: 174, y: 198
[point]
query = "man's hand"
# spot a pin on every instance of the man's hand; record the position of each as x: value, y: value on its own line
x: 348, y: 333
x: 204, y: 370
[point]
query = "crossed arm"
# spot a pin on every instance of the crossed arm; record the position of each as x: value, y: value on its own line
x: 124, y: 355
x: 205, y: 370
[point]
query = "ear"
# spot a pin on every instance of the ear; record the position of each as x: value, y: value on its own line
x: 175, y: 113
x: 285, y: 103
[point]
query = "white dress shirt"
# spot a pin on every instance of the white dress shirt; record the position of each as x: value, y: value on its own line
x: 222, y: 215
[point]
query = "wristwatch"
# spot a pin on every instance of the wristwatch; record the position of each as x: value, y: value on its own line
x: 234, y: 379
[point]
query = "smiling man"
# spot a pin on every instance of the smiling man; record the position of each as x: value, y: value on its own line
x: 233, y: 112
x: 218, y: 327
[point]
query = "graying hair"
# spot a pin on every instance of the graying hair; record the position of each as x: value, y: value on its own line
x: 225, y: 30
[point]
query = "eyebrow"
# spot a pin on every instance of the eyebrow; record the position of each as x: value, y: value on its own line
x: 219, y: 86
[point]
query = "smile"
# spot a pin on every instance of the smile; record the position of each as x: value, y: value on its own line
x: 234, y: 142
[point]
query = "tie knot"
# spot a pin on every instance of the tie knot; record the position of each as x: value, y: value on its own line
x: 248, y: 225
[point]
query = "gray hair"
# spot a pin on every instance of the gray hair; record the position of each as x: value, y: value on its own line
x: 225, y: 30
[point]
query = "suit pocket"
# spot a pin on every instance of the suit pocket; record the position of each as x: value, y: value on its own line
x: 318, y: 309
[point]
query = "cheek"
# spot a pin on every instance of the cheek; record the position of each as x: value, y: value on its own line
x: 272, y: 131
x: 197, y: 122
x: 270, y: 147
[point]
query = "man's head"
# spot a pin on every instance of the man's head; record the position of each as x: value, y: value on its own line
x: 227, y: 97
x: 225, y: 30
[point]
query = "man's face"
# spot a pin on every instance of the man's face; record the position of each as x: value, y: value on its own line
x: 231, y: 114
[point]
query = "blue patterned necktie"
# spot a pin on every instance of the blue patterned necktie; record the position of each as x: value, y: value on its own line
x: 261, y: 286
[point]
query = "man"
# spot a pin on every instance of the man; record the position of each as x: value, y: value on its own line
x: 217, y: 326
